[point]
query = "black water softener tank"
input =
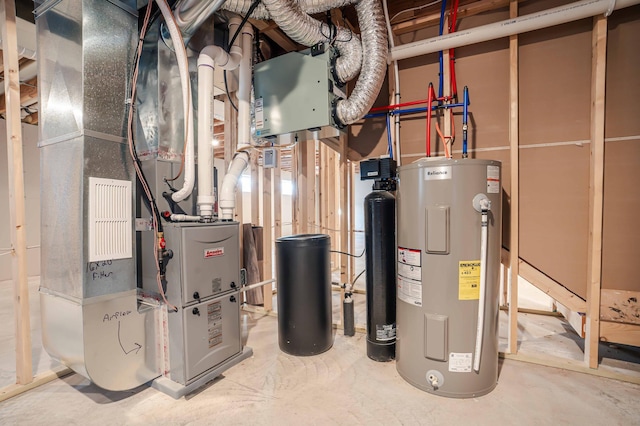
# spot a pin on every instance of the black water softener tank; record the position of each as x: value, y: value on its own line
x: 303, y: 271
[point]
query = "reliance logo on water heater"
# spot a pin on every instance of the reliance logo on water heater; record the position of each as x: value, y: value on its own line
x: 437, y: 173
x: 213, y: 252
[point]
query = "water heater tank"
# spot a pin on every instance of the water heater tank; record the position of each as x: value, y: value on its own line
x: 443, y: 345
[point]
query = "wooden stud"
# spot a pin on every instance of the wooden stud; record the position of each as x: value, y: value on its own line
x: 615, y: 332
x: 596, y: 187
x: 266, y: 237
x: 514, y: 242
x: 333, y: 201
x: 620, y: 306
x: 310, y: 198
x: 39, y: 380
x: 277, y: 197
x: 17, y: 218
x: 344, y: 216
x: 295, y: 191
x: 550, y: 287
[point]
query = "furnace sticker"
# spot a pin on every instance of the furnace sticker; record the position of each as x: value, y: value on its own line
x: 213, y: 252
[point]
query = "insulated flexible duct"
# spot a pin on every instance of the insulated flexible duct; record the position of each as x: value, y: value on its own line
x: 308, y: 31
x: 309, y: 7
x: 374, y: 63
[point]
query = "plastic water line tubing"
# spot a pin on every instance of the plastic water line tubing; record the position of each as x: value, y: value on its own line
x: 483, y: 285
x: 452, y: 57
x: 465, y: 116
x: 534, y: 21
x: 440, y: 53
x: 413, y: 110
x: 181, y: 57
x: 389, y: 145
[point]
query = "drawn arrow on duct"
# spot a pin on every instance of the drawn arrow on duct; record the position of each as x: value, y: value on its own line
x: 136, y: 348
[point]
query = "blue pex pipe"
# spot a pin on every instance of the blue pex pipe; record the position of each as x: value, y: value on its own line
x: 465, y: 116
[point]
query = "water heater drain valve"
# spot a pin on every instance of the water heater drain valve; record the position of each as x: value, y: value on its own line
x: 435, y: 379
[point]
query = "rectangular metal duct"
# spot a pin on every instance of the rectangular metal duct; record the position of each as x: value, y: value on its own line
x: 92, y: 320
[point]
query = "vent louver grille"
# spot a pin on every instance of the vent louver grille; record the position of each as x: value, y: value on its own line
x: 110, y: 231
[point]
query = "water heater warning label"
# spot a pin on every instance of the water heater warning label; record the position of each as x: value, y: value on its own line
x: 410, y: 275
x: 469, y: 280
x: 493, y: 179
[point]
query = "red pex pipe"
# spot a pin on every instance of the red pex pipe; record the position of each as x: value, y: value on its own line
x: 430, y: 99
x: 452, y: 63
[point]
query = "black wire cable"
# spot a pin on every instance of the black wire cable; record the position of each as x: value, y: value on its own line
x: 348, y: 254
x: 233, y: 39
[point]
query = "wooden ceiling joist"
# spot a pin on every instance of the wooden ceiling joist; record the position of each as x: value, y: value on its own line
x: 28, y: 92
x: 430, y: 18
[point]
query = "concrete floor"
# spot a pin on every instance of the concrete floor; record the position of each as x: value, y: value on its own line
x: 338, y: 387
x: 341, y: 386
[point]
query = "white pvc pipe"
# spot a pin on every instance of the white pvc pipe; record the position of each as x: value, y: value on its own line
x: 256, y: 285
x: 181, y: 57
x: 244, y: 89
x: 227, y: 201
x: 210, y: 57
x: 547, y: 18
x: 483, y: 285
x: 206, y: 200
x: 184, y: 218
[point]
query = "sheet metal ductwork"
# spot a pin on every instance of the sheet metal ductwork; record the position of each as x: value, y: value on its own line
x: 91, y: 319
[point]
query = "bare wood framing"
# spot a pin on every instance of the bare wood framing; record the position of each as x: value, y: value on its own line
x: 571, y: 365
x: 515, y: 184
x: 596, y: 187
x: 302, y: 188
x: 39, y: 380
x: 310, y: 199
x: 255, y: 190
x: 277, y: 197
x: 344, y: 218
x: 620, y: 306
x: 295, y: 190
x: 267, y: 226
x: 551, y: 287
x: 28, y: 92
x: 15, y: 170
x: 334, y: 201
x: 626, y: 334
x: 433, y: 19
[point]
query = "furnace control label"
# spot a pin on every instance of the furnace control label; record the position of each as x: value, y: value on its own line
x: 469, y: 280
x: 493, y: 179
x: 460, y: 362
x: 410, y: 275
x: 214, y: 323
x: 259, y: 112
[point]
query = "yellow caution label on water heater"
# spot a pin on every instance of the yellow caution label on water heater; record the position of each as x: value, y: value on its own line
x: 469, y: 280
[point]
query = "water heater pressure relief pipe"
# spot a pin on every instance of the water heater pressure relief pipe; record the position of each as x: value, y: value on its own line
x: 482, y: 204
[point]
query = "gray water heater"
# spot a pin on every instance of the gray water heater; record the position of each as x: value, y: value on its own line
x: 449, y: 240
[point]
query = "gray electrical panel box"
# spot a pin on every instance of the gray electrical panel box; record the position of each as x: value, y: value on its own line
x: 295, y: 92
